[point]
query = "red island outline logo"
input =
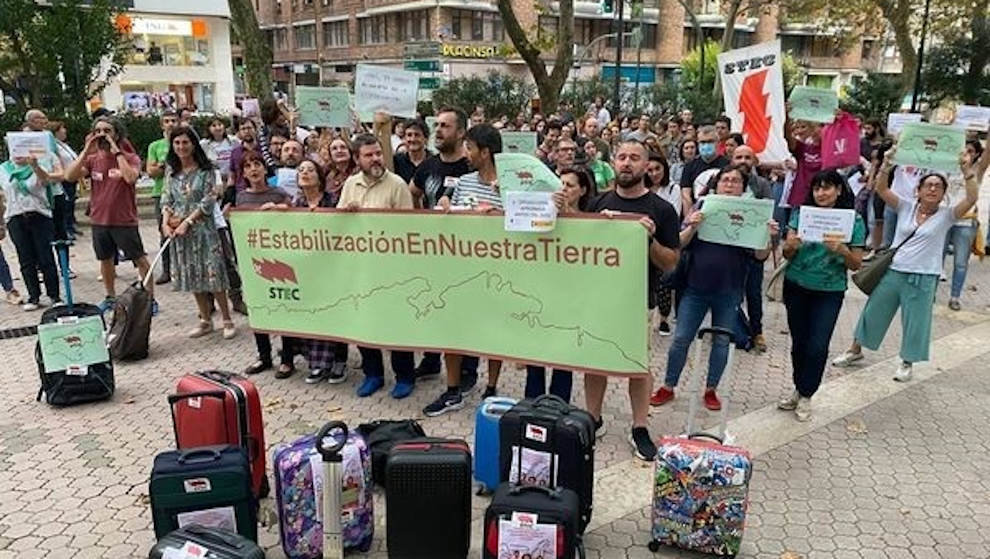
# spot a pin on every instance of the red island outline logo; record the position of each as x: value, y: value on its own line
x: 274, y: 270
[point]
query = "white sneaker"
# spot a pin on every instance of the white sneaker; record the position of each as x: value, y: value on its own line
x: 847, y: 358
x: 29, y: 306
x: 903, y: 373
x: 789, y: 403
x: 803, y: 409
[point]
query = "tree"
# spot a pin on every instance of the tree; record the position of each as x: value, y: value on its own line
x: 948, y: 74
x: 875, y: 96
x: 550, y: 84
x: 691, y: 64
x: 51, y: 55
x: 257, y: 52
x: 500, y: 94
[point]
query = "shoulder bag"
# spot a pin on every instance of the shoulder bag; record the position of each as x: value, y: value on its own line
x: 869, y: 275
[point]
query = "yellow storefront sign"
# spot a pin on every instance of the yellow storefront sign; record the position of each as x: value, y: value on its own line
x: 470, y: 51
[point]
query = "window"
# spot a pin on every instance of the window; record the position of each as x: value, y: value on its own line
x: 472, y: 25
x: 414, y: 25
x: 279, y: 38
x: 306, y: 36
x: 649, y: 35
x: 374, y: 30
x: 584, y: 31
x: 168, y: 50
x: 477, y: 27
x: 869, y: 49
x: 335, y: 34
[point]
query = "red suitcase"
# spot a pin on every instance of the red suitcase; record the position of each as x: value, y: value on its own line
x: 216, y: 407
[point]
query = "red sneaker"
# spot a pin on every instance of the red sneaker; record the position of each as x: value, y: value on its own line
x: 711, y: 400
x: 661, y: 396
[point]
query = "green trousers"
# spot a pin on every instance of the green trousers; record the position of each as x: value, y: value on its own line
x: 914, y: 294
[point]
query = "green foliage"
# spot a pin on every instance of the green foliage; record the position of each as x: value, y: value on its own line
x: 670, y: 98
x: 581, y: 93
x: 499, y: 93
x: 875, y: 96
x: 691, y: 67
x: 945, y: 76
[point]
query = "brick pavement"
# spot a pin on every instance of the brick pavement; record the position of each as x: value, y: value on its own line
x: 73, y: 482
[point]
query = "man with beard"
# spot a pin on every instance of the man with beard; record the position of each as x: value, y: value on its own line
x: 745, y: 158
x: 631, y: 195
x: 873, y: 136
x: 375, y: 187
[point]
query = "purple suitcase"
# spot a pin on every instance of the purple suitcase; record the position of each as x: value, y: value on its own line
x: 300, y: 513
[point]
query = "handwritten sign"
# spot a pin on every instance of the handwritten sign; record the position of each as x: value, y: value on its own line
x: 931, y: 146
x: 530, y: 211
x: 27, y: 144
x: 324, y: 106
x: 519, y: 142
x: 523, y: 171
x: 896, y: 121
x: 813, y: 104
x: 378, y: 88
x: 973, y: 118
x: 736, y: 221
x: 819, y: 224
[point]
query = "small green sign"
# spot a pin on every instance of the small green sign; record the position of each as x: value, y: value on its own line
x: 423, y: 65
x: 429, y: 83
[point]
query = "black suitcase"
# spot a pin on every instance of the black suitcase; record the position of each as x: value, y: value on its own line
x: 557, y: 507
x: 428, y: 491
x: 130, y: 327
x: 64, y: 387
x: 214, y: 544
x: 208, y: 485
x: 555, y: 442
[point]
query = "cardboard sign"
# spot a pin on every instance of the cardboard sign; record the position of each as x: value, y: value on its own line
x: 736, y: 221
x: 813, y: 104
x: 324, y: 106
x: 28, y: 144
x: 896, y: 121
x: 973, y: 118
x: 930, y: 146
x: 819, y: 224
x: 519, y: 142
x: 378, y: 88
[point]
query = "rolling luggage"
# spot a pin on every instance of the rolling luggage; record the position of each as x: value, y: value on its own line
x: 209, y: 543
x: 130, y: 327
x: 209, y: 486
x: 216, y: 407
x: 532, y: 521
x: 381, y: 435
x: 299, y: 484
x: 701, y: 486
x: 486, y: 446
x: 67, y: 328
x: 428, y: 499
x: 555, y: 443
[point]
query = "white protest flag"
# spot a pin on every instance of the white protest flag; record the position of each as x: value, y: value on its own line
x: 753, y: 89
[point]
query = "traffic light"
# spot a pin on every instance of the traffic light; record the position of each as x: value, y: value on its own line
x: 608, y: 6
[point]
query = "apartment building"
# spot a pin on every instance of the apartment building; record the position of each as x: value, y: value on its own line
x: 320, y: 41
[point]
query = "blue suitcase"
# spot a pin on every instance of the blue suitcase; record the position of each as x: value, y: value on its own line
x: 486, y: 447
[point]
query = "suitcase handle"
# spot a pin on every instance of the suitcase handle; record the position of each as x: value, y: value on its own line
x: 199, y: 455
x: 218, y: 376
x: 331, y: 453
x: 520, y: 489
x: 216, y: 536
x: 704, y: 435
x: 495, y: 407
x: 553, y: 402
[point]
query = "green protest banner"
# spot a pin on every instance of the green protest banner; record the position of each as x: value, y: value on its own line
x: 524, y: 171
x: 324, y: 106
x: 73, y: 344
x: 930, y: 146
x: 519, y: 142
x: 736, y: 221
x: 457, y: 282
x: 813, y: 104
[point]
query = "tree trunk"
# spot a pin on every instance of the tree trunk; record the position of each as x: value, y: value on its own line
x: 548, y: 85
x: 257, y: 53
x: 898, y: 15
x: 979, y: 53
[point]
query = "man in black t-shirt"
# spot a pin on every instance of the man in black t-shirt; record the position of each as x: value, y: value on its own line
x: 707, y: 159
x: 660, y: 220
x: 435, y: 176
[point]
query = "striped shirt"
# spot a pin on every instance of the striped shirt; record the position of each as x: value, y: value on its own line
x: 473, y: 193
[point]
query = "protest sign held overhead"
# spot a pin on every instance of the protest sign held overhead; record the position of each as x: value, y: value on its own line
x: 930, y: 146
x: 753, y: 90
x: 378, y: 88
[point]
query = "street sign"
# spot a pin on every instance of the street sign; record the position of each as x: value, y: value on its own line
x: 429, y: 83
x: 428, y: 49
x: 423, y: 65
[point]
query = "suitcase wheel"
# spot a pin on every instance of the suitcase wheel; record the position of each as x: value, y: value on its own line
x: 265, y: 488
x: 654, y: 546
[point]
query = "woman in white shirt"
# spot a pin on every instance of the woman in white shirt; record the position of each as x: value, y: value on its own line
x: 909, y: 284
x: 218, y: 146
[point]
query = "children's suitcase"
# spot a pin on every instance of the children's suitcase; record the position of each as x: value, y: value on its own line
x: 558, y: 448
x: 209, y: 543
x: 486, y: 446
x: 298, y: 488
x: 215, y: 407
x: 530, y: 521
x: 71, y: 325
x: 701, y: 486
x: 428, y: 491
x: 209, y: 486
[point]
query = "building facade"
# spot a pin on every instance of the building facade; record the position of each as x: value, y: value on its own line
x: 320, y: 41
x: 181, y: 57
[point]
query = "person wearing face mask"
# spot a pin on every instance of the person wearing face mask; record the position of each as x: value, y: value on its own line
x: 707, y: 159
x: 375, y: 187
x: 713, y: 282
x: 909, y: 284
x: 814, y: 287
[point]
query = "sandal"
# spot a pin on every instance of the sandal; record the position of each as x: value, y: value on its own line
x: 228, y: 330
x: 204, y: 328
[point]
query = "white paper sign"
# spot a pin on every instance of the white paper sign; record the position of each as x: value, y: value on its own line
x: 814, y: 224
x: 27, y: 144
x: 855, y: 183
x: 522, y: 537
x: 250, y: 108
x: 530, y: 211
x: 973, y: 117
x: 896, y: 121
x: 286, y: 179
x: 378, y: 88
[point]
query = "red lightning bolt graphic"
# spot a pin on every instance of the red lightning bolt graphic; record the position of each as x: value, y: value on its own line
x: 753, y: 106
x: 274, y: 270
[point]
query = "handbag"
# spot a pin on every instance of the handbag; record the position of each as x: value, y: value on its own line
x: 869, y: 275
x: 775, y: 285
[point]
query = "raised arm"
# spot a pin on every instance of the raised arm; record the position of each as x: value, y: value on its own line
x: 883, y: 179
x: 972, y: 173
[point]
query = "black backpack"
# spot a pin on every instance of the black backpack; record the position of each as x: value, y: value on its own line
x: 381, y: 436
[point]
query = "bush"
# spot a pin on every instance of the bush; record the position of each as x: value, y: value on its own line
x: 875, y: 96
x: 500, y: 94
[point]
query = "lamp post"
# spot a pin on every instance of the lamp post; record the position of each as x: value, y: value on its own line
x: 616, y: 98
x: 921, y: 60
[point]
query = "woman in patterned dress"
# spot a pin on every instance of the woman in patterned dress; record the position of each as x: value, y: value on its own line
x: 188, y: 204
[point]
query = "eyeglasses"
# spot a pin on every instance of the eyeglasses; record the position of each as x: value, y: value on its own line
x: 931, y: 186
x: 730, y: 180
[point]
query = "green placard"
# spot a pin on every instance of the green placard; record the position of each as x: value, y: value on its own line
x: 930, y: 146
x: 324, y: 106
x: 458, y: 282
x: 736, y: 221
x: 73, y: 344
x: 422, y: 65
x: 524, y: 171
x: 813, y: 104
x: 519, y: 142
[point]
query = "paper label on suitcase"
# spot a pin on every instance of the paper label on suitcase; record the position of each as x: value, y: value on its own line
x: 521, y: 539
x: 536, y: 433
x: 77, y: 370
x: 222, y: 518
x: 538, y: 468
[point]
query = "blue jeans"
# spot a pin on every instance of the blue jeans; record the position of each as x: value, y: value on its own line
x: 691, y: 312
x: 560, y: 382
x: 6, y: 281
x: 811, y: 317
x: 961, y: 239
x: 889, y: 226
x: 754, y: 296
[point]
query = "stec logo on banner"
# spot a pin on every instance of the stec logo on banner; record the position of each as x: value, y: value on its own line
x: 753, y: 90
x: 277, y: 271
